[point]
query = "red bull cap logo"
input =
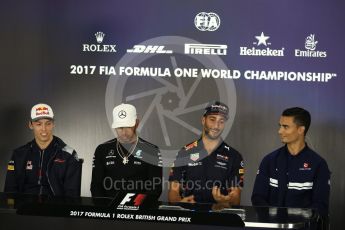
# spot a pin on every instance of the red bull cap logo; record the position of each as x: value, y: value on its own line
x: 41, y: 111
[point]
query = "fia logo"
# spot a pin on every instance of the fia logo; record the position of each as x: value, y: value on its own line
x: 207, y: 21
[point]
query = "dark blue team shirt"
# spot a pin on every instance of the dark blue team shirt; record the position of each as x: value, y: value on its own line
x: 285, y: 180
x: 36, y: 181
x: 197, y: 171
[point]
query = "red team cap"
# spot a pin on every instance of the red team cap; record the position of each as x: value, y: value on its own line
x: 41, y: 111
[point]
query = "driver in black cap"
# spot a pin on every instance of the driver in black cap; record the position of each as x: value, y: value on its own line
x: 208, y: 170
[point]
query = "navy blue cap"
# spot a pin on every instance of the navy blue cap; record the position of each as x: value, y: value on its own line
x: 217, y: 107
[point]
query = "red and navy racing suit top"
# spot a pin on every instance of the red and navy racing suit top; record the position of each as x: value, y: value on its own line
x: 197, y: 171
x: 285, y: 180
x: 53, y: 171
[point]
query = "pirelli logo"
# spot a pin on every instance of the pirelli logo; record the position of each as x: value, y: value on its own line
x: 205, y: 49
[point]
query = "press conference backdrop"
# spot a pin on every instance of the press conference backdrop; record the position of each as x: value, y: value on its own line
x: 169, y: 59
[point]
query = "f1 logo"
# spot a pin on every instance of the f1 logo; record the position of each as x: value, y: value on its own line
x: 139, y: 199
x: 127, y: 198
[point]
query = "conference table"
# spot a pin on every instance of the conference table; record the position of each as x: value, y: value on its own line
x: 142, y: 211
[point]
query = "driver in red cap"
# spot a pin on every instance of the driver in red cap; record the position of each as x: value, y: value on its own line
x: 45, y: 165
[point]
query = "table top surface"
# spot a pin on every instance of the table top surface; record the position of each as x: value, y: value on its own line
x: 263, y: 217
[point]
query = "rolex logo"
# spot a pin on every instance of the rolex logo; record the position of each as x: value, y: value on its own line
x: 99, y: 37
x: 104, y: 48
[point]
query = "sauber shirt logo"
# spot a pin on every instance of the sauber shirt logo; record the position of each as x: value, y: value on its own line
x: 306, y: 166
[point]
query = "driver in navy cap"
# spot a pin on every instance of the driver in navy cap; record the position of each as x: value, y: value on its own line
x: 208, y: 170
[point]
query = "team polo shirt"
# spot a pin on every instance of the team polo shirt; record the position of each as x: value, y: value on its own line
x: 197, y: 171
x: 300, y: 181
x: 141, y: 174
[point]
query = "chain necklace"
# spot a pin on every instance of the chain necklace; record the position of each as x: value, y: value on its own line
x: 121, y: 152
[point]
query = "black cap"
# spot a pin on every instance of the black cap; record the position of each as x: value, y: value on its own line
x: 217, y: 107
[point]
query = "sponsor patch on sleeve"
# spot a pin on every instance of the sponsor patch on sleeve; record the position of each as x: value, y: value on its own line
x: 10, y: 166
x: 191, y: 145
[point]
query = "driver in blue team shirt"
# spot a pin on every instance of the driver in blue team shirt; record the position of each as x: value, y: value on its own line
x: 208, y: 170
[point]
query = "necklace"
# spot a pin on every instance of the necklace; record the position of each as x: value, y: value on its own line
x: 122, y: 154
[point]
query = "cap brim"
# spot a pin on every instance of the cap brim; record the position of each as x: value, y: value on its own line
x: 123, y: 124
x: 39, y: 118
x: 217, y: 113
